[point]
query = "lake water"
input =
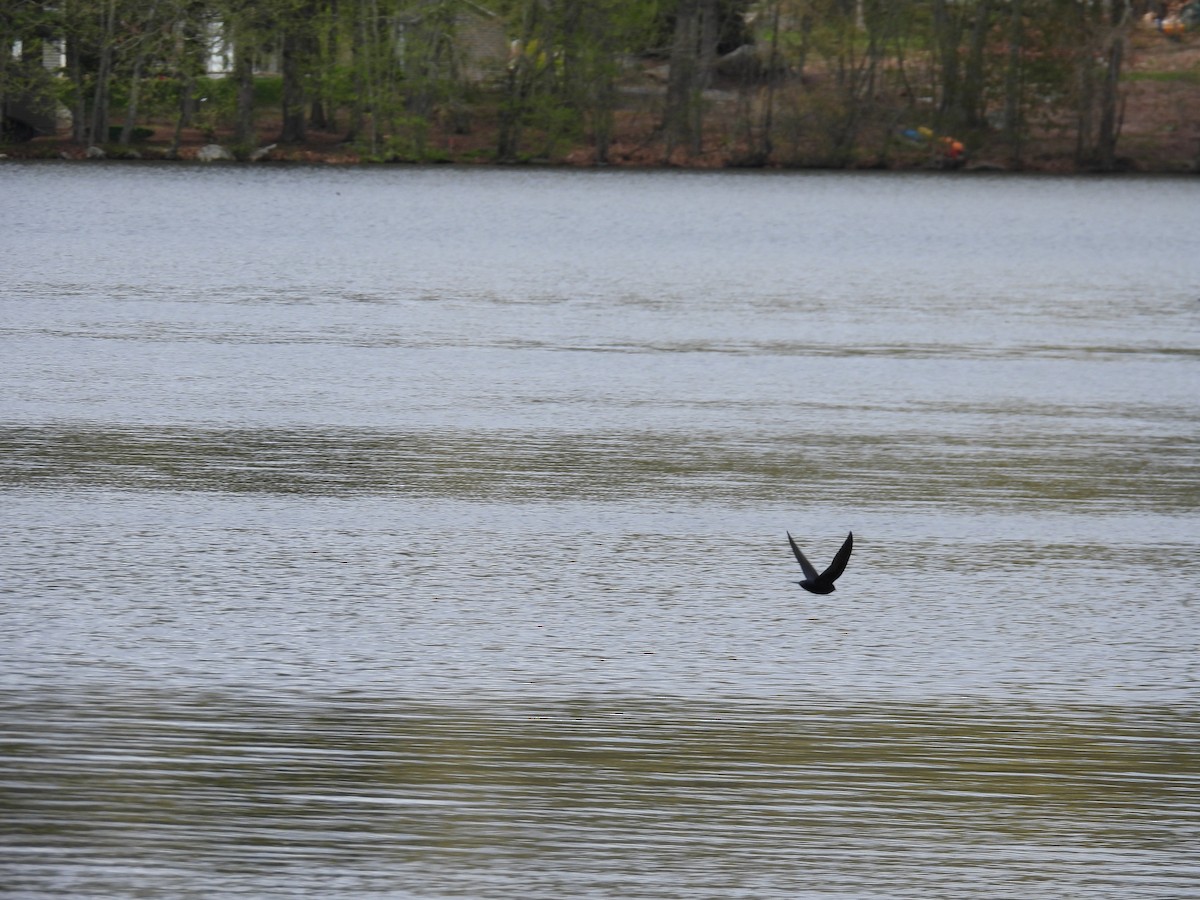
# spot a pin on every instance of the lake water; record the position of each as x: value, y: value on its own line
x: 420, y: 533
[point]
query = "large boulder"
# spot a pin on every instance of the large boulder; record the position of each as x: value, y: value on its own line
x: 213, y: 153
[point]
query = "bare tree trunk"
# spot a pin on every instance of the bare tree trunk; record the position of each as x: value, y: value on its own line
x: 757, y: 128
x: 1012, y: 85
x: 186, y: 90
x: 367, y: 76
x: 359, y: 69
x: 293, y: 127
x: 692, y: 54
x: 79, y: 116
x: 131, y: 110
x: 516, y: 89
x: 947, y: 30
x: 189, y: 62
x: 766, y: 140
x: 676, y: 115
x: 603, y: 99
x: 98, y: 130
x: 323, y: 113
x: 710, y: 34
x: 972, y: 98
x: 1083, y: 127
x: 243, y: 75
x: 296, y: 51
x: 1110, y: 100
x: 147, y: 27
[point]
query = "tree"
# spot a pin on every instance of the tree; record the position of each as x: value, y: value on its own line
x: 98, y: 129
x: 526, y: 76
x: 297, y: 45
x: 1013, y: 102
x: 1114, y: 37
x: 190, y: 46
x: 853, y: 65
x: 693, y: 51
x: 972, y: 97
x: 26, y: 97
x: 145, y: 39
x: 249, y: 31
x: 593, y: 40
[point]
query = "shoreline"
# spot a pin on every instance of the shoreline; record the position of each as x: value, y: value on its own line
x: 1159, y: 135
x: 1157, y: 129
x: 303, y: 156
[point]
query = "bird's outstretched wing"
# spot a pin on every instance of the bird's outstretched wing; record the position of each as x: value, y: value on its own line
x: 809, y: 572
x: 838, y: 566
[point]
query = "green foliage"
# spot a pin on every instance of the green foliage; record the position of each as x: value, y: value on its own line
x: 1183, y: 76
x: 392, y: 73
x: 409, y: 144
x: 159, y: 99
x: 26, y: 87
x: 268, y: 91
x: 139, y: 134
x: 558, y: 125
x: 561, y: 82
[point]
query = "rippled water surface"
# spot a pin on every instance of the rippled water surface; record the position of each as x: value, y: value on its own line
x: 420, y: 533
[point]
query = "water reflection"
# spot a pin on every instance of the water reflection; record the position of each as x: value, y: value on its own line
x: 549, y: 798
x: 1037, y: 467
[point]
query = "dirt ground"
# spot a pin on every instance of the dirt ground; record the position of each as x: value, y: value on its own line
x: 1160, y: 130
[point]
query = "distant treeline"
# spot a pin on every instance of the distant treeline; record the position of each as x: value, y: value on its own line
x: 817, y: 81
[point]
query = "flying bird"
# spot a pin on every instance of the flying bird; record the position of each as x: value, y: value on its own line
x: 823, y: 583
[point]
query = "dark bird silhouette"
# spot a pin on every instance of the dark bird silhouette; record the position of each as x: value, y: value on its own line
x: 823, y: 583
